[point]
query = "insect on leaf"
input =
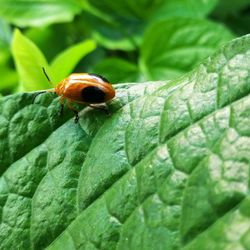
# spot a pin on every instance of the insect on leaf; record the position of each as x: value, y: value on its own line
x: 169, y: 169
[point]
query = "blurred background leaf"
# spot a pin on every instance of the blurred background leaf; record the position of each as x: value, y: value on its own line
x: 235, y: 14
x: 185, y: 8
x: 123, y: 22
x: 5, y: 34
x: 173, y: 47
x: 38, y: 12
x: 118, y: 70
x: 29, y: 61
x: 7, y: 72
x: 65, y: 62
x: 227, y: 7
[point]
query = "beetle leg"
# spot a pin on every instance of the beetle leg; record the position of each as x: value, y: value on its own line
x: 74, y: 110
x: 103, y: 108
x: 61, y: 100
x: 61, y: 110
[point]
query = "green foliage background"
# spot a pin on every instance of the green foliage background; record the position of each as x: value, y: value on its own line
x: 169, y: 169
x: 122, y: 40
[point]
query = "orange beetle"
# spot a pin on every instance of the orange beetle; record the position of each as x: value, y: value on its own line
x: 82, y: 88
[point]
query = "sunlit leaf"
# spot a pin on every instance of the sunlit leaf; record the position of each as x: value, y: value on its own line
x: 29, y: 61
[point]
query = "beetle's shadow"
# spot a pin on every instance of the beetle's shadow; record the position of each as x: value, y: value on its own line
x: 92, y: 119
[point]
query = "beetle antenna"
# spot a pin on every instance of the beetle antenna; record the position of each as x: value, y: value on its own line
x: 44, y: 71
x: 44, y: 91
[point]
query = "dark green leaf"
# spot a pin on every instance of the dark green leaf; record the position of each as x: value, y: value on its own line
x: 235, y: 14
x: 167, y: 8
x: 240, y: 24
x: 174, y: 46
x: 117, y: 70
x: 38, y: 12
x: 51, y: 40
x: 9, y: 79
x: 227, y: 7
x: 8, y: 76
x: 123, y: 34
x: 119, y: 24
x: 130, y: 8
x: 184, y: 8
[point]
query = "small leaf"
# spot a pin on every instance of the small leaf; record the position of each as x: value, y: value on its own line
x: 183, y: 44
x: 38, y: 12
x: 29, y: 61
x: 65, y: 62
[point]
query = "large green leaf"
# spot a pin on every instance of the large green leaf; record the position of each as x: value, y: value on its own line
x: 168, y: 170
x: 174, y: 46
x: 38, y: 12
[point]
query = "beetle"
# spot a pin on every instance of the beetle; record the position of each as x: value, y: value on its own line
x: 84, y: 88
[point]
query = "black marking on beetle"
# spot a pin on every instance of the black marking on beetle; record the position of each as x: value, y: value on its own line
x: 93, y: 94
x: 101, y: 77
